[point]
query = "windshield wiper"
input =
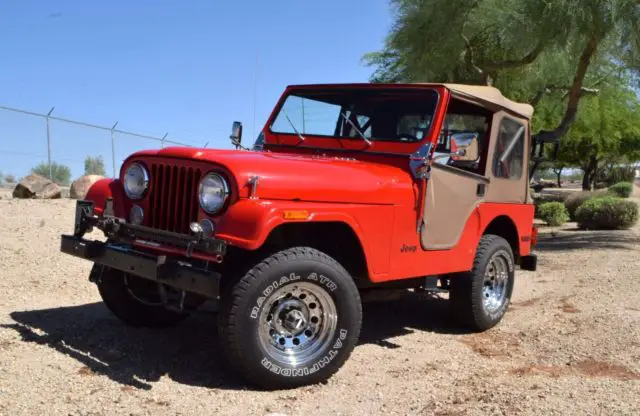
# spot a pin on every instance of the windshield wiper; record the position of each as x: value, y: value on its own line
x: 292, y: 126
x: 356, y: 128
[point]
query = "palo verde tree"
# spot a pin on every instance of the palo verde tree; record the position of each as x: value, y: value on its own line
x: 533, y: 50
x: 606, y: 132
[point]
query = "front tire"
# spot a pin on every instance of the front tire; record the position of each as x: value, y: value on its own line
x: 481, y: 296
x: 133, y: 300
x: 292, y: 320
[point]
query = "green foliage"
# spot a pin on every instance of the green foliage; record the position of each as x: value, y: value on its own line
x: 606, y: 131
x: 555, y: 55
x: 543, y: 198
x: 9, y: 178
x: 94, y: 166
x: 61, y: 174
x: 622, y: 189
x: 553, y: 213
x: 607, y: 213
x: 575, y: 200
x: 615, y: 174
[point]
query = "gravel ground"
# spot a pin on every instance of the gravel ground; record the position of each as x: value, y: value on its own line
x: 569, y: 345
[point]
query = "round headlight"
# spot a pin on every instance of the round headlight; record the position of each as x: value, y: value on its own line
x: 213, y: 193
x: 136, y: 181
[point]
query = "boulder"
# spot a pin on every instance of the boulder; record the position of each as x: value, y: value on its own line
x: 36, y: 186
x: 80, y: 186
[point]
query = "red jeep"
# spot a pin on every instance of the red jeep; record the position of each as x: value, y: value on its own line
x: 349, y: 189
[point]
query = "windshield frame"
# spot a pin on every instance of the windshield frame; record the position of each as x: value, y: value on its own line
x: 356, y: 142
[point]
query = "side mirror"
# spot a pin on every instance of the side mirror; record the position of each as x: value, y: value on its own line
x: 236, y: 134
x: 464, y: 147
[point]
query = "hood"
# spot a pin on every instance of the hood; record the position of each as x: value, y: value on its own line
x: 285, y: 176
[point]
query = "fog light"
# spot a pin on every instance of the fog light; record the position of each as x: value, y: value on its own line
x: 136, y: 216
x: 207, y: 227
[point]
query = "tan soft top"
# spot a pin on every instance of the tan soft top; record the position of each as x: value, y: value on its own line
x: 492, y: 95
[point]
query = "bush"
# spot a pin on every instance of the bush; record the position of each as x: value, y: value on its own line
x: 540, y: 199
x: 607, y: 213
x: 553, y: 213
x: 94, y: 166
x: 61, y: 173
x: 622, y: 189
x: 575, y: 200
x: 10, y: 179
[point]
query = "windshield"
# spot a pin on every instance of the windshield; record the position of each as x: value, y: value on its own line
x: 370, y: 115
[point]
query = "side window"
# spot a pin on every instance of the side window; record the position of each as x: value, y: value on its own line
x: 508, y: 159
x: 464, y: 123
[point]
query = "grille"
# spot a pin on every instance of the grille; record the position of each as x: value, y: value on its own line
x: 173, y: 199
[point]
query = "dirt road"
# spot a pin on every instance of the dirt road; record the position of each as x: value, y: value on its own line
x: 569, y: 345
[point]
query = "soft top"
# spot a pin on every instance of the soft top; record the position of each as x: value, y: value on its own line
x: 492, y: 95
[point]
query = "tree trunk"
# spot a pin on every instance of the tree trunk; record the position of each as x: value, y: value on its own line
x: 559, y: 176
x: 574, y: 93
x: 589, y: 173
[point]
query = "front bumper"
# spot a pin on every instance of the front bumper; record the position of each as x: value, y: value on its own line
x: 119, y: 251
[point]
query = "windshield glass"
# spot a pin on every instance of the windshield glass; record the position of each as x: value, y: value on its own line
x: 402, y: 115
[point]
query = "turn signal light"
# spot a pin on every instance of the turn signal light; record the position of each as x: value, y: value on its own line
x: 295, y: 215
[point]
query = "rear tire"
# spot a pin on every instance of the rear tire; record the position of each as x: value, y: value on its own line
x: 292, y: 320
x: 481, y: 296
x: 134, y: 300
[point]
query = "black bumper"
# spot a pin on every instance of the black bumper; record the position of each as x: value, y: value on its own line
x: 118, y: 253
x: 160, y: 269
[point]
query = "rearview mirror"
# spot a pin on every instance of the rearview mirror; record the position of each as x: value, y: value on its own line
x: 464, y: 147
x: 236, y: 133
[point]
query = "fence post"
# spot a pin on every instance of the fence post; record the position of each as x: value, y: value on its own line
x: 113, y: 148
x: 162, y: 140
x: 49, y: 143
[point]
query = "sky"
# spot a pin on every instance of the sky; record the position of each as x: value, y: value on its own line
x: 187, y: 69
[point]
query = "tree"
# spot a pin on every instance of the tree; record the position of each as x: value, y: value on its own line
x: 606, y: 132
x: 533, y: 50
x: 60, y: 174
x: 94, y: 166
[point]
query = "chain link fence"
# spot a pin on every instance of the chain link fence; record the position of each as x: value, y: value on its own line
x: 28, y: 139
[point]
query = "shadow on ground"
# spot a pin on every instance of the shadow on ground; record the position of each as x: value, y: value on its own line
x: 187, y: 353
x: 573, y: 239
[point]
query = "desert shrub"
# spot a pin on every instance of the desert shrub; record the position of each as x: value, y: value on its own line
x: 607, y: 213
x: 573, y: 201
x: 539, y: 199
x: 10, y: 178
x: 622, y: 189
x: 553, y: 213
x: 94, y: 166
x: 61, y: 174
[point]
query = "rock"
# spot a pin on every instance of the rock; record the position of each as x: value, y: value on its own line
x: 80, y: 186
x: 36, y: 186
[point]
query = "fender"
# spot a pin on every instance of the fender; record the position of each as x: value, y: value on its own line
x: 248, y: 223
x: 106, y: 188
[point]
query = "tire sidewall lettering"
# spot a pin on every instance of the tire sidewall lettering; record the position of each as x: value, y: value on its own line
x: 318, y: 278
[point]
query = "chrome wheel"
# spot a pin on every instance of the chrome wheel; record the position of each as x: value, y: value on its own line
x: 297, y: 323
x: 496, y: 279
